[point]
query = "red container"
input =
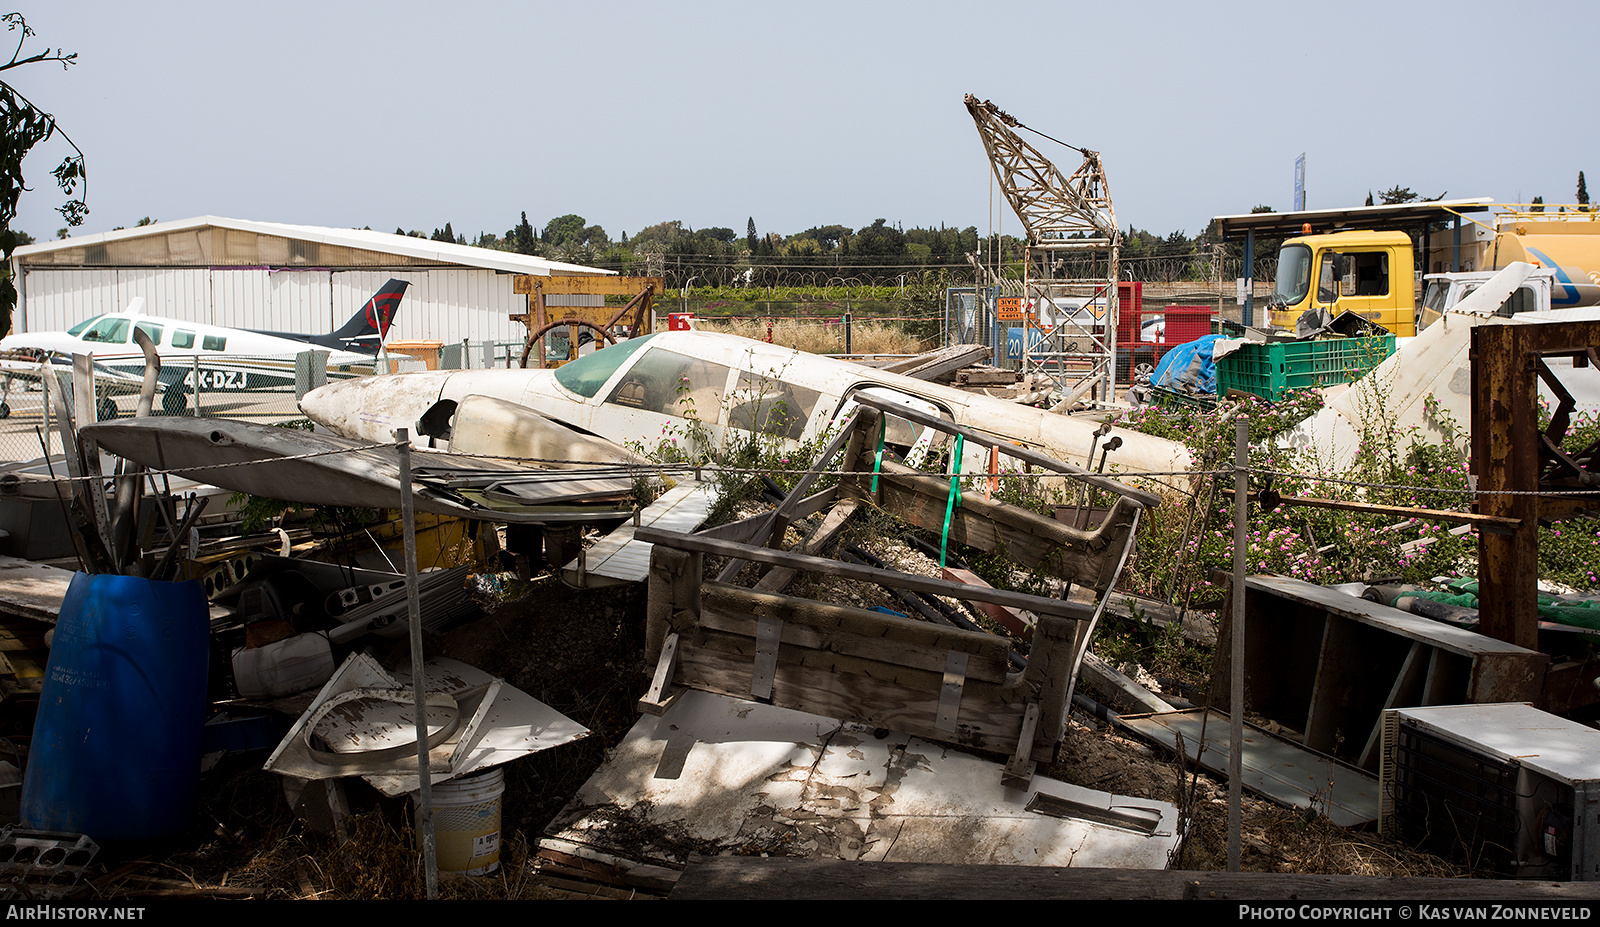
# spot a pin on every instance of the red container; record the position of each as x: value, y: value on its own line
x: 1130, y: 310
x: 1186, y: 323
x: 679, y: 321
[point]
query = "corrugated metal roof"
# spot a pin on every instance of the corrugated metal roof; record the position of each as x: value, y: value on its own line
x: 1377, y: 218
x: 387, y: 242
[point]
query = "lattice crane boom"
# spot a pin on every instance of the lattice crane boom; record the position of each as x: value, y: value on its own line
x: 1052, y: 206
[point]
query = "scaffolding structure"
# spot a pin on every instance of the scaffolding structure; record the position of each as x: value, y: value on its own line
x: 1064, y: 324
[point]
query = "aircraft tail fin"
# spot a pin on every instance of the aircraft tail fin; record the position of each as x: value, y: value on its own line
x: 367, y: 329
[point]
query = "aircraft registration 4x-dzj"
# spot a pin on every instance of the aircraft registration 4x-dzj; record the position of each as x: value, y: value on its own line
x: 210, y: 357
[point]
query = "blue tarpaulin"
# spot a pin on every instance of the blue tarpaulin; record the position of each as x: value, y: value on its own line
x: 1188, y: 367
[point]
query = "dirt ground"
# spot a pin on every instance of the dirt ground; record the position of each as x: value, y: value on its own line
x: 582, y: 654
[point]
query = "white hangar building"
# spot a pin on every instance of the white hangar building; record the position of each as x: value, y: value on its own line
x: 274, y: 277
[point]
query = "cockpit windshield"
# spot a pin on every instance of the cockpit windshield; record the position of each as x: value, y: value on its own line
x: 78, y: 328
x: 587, y: 374
x: 109, y: 330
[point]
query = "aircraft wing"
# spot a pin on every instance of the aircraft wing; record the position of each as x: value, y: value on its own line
x: 31, y: 368
x: 321, y: 469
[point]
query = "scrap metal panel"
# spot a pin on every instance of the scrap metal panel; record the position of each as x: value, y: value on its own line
x: 723, y: 776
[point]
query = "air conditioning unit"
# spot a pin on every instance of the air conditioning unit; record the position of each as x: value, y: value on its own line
x: 1502, y: 788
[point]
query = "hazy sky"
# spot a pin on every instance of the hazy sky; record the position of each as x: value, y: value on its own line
x: 798, y: 114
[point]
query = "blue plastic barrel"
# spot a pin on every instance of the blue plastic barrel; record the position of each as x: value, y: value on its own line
x: 116, y: 745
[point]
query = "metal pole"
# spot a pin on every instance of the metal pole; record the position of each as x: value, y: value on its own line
x: 1248, y: 315
x: 408, y: 518
x: 1241, y: 510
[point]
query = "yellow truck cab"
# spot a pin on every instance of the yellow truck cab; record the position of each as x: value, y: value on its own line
x: 1368, y: 273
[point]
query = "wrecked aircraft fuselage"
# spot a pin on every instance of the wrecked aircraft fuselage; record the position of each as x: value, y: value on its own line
x: 679, y: 387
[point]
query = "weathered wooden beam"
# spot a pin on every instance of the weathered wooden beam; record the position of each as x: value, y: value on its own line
x: 1112, y: 681
x: 790, y: 879
x: 1505, y: 458
x: 832, y: 524
x: 1089, y: 558
x: 1020, y: 624
x: 855, y: 632
x: 1049, y: 676
x: 690, y: 542
x: 990, y: 718
x: 1024, y: 454
x: 669, y: 569
x: 585, y: 284
x: 1018, y: 773
x: 657, y: 698
x: 935, y: 364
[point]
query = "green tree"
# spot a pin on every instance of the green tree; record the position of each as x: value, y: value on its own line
x: 880, y: 238
x: 521, y: 239
x: 563, y: 230
x: 1537, y: 205
x: 1369, y: 198
x: 750, y: 234
x: 1583, y: 191
x: 1397, y: 194
x: 26, y: 126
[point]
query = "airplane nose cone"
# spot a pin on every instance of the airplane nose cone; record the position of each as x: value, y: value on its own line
x: 371, y: 408
x: 327, y: 405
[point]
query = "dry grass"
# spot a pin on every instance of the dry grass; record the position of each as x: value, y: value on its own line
x: 822, y: 337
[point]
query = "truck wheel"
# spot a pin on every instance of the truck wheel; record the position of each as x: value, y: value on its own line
x: 106, y: 410
x: 174, y: 402
x: 5, y: 410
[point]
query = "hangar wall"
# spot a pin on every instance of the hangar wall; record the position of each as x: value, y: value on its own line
x: 442, y: 304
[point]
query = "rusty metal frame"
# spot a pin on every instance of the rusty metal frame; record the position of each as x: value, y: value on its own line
x: 541, y: 318
x: 1518, y: 468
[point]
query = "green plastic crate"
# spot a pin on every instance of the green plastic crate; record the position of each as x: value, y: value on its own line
x: 1172, y: 399
x: 1269, y: 370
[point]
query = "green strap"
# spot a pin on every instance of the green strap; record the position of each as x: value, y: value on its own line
x: 877, y: 461
x: 952, y: 501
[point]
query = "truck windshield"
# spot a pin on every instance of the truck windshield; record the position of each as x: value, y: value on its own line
x: 1294, y: 274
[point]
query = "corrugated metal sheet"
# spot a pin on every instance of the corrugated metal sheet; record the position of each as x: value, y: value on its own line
x: 215, y: 240
x: 441, y: 305
x: 446, y: 305
x: 301, y: 301
x: 174, y: 292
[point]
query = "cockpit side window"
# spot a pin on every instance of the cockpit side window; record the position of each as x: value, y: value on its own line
x: 673, y: 384
x: 769, y: 405
x: 151, y: 330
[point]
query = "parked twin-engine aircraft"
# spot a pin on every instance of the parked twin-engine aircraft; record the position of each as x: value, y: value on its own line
x: 223, y: 359
x: 680, y: 386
